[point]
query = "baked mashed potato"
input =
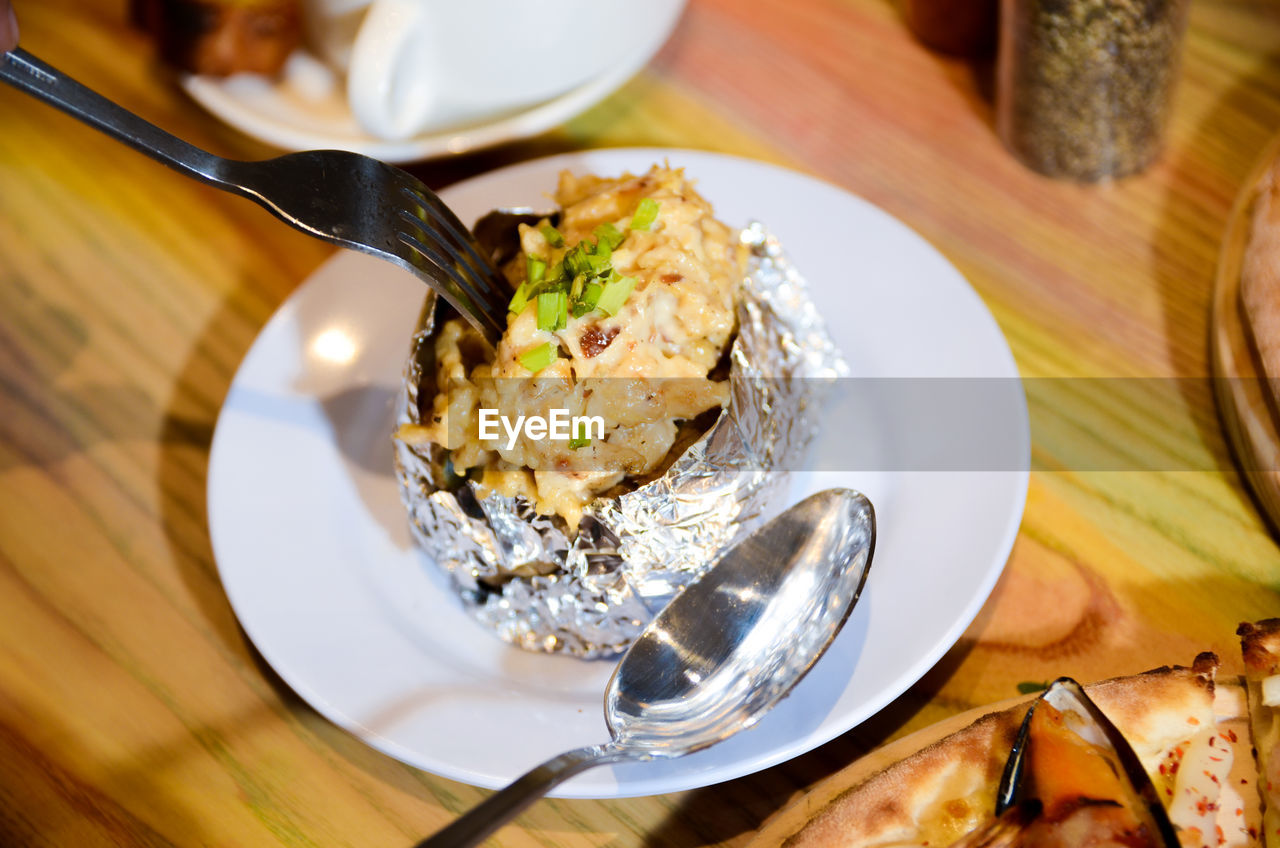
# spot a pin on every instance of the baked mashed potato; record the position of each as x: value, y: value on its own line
x: 622, y: 310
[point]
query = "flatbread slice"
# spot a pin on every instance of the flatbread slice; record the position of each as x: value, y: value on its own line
x: 1213, y: 795
x: 1260, y: 645
x: 1187, y: 732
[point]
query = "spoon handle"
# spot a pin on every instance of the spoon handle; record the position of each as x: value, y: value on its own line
x: 505, y: 804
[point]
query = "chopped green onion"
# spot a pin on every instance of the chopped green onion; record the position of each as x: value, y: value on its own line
x: 587, y: 302
x: 552, y: 235
x: 646, y: 214
x: 581, y: 280
x: 537, y: 358
x: 535, y: 269
x: 554, y: 274
x: 553, y: 310
x: 599, y: 259
x: 519, y: 300
x: 579, y: 441
x: 615, y: 294
x: 608, y: 234
x: 576, y: 260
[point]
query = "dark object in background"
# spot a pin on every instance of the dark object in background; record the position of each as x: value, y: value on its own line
x: 957, y: 27
x: 222, y: 37
x: 1083, y: 87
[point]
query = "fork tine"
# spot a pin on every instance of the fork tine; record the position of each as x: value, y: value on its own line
x: 483, y: 290
x: 449, y: 260
x: 489, y: 284
x: 417, y: 190
x: 457, y: 231
x: 429, y: 263
x: 456, y: 290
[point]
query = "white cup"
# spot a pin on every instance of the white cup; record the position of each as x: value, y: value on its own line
x: 417, y: 65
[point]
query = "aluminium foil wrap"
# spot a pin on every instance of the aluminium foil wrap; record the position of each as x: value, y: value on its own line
x: 590, y: 594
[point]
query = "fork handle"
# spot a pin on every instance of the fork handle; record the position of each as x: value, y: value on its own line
x: 44, y: 82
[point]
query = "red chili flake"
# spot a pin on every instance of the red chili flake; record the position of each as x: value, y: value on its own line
x: 671, y: 278
x: 1253, y: 833
x: 1168, y: 792
x: 594, y: 340
x: 1164, y: 769
x: 1193, y: 720
x: 1231, y: 734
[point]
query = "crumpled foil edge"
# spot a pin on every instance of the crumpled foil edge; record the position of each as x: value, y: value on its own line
x: 520, y: 574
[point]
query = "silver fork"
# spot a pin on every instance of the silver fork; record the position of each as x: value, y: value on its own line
x: 351, y: 200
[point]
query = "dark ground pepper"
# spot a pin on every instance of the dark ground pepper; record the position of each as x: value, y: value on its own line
x: 1084, y: 86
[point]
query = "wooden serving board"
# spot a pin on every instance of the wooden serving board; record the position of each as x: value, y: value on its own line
x: 1248, y: 412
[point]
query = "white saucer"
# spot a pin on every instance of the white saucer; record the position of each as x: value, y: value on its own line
x: 314, y: 551
x: 279, y: 114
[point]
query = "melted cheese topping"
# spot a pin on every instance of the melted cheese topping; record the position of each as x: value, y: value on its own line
x: 643, y: 370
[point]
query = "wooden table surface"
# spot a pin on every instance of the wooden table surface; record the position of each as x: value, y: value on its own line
x: 133, y: 711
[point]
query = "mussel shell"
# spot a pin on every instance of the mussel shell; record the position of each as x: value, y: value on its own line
x: 1068, y: 696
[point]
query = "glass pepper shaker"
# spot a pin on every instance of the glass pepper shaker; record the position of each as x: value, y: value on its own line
x: 1084, y: 87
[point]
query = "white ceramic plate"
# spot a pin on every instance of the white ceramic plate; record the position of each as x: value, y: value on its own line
x: 278, y: 114
x: 312, y: 544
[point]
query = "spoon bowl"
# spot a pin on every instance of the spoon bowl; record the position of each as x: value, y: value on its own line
x: 719, y: 656
x: 735, y: 642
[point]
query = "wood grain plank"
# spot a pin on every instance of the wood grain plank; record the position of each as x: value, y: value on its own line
x: 133, y: 710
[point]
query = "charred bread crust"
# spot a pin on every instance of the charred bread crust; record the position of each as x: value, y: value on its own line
x: 888, y: 806
x: 1260, y: 646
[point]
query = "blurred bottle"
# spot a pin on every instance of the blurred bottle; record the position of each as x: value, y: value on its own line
x: 1084, y: 87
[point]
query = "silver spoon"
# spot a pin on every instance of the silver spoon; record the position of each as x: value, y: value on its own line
x: 721, y: 654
